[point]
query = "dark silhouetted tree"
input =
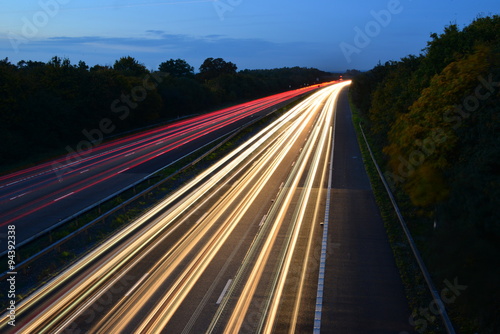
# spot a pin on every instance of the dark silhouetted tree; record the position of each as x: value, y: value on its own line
x: 177, y: 68
x: 129, y: 66
x: 212, y: 68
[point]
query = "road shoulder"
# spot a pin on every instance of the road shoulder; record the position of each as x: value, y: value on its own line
x: 364, y: 292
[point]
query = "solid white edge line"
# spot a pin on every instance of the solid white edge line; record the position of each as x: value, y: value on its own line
x: 324, y: 243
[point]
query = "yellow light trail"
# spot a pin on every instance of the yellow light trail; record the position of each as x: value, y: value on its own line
x: 315, y: 147
x: 271, y: 146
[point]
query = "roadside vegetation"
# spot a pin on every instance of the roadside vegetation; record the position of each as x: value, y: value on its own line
x: 102, y: 222
x: 48, y: 108
x: 433, y: 121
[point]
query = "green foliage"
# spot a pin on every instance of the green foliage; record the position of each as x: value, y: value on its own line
x: 437, y: 109
x: 365, y: 84
x: 130, y: 67
x: 177, y: 68
x: 454, y: 44
x: 437, y: 118
x: 45, y: 107
x: 212, y: 68
x: 288, y: 77
x: 396, y: 93
x: 66, y: 254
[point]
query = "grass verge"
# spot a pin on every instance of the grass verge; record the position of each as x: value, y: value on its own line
x: 417, y: 292
x: 51, y: 264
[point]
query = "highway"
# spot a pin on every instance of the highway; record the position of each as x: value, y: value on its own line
x: 363, y: 289
x: 38, y: 197
x: 233, y: 250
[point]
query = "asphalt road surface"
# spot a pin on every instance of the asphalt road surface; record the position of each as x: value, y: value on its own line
x: 364, y: 292
x: 36, y: 198
x: 235, y: 250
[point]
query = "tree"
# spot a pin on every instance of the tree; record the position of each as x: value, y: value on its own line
x: 129, y: 66
x: 97, y: 68
x: 177, y: 68
x: 393, y: 96
x: 453, y: 43
x: 30, y: 64
x: 212, y: 68
x: 55, y: 62
x: 82, y: 66
x: 426, y: 136
x: 45, y: 106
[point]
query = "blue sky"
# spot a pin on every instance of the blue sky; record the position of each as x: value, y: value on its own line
x: 327, y: 34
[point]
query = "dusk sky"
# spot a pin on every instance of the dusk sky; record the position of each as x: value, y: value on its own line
x: 327, y: 34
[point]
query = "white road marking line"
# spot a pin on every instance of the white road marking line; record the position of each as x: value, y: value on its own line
x: 263, y: 220
x: 13, y: 198
x: 228, y: 284
x: 60, y: 198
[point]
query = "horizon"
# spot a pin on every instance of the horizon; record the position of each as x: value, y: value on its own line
x: 332, y: 37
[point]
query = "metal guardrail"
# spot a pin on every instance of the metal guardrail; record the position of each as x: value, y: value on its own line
x: 110, y: 212
x: 121, y: 206
x: 145, y: 178
x: 435, y: 295
x: 102, y: 201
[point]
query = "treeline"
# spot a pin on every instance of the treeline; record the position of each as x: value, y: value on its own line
x: 45, y: 107
x: 435, y: 119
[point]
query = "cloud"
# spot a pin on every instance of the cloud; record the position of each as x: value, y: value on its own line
x: 155, y: 32
x: 158, y: 46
